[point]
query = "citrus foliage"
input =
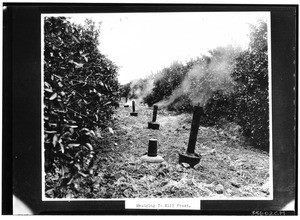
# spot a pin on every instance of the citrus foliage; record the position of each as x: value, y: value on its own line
x: 166, y: 81
x: 251, y: 93
x: 80, y: 94
x: 125, y: 90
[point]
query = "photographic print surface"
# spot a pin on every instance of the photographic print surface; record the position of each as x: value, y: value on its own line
x: 156, y: 105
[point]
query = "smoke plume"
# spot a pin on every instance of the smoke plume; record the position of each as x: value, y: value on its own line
x: 141, y: 88
x: 203, y: 79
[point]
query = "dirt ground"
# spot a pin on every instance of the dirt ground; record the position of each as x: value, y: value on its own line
x: 228, y: 167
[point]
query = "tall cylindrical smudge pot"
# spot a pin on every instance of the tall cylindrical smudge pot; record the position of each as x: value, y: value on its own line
x: 154, y: 113
x: 133, y: 106
x: 133, y: 113
x: 190, y: 157
x: 198, y: 111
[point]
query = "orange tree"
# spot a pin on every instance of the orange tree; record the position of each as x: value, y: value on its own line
x: 251, y: 108
x: 166, y: 81
x: 125, y: 90
x: 80, y: 93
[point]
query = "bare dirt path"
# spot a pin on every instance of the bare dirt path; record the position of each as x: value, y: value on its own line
x: 228, y: 168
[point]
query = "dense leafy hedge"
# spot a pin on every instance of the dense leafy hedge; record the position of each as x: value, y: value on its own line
x: 252, y: 92
x: 80, y: 94
x: 219, y: 106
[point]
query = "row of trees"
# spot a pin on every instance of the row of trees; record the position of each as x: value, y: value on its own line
x: 229, y: 83
x: 80, y: 93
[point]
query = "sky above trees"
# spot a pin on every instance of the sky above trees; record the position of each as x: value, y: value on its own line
x: 144, y: 43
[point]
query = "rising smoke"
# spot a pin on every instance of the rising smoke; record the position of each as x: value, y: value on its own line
x: 203, y: 79
x: 139, y: 89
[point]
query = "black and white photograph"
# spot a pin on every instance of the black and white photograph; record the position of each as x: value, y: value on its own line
x: 149, y: 109
x: 157, y: 105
